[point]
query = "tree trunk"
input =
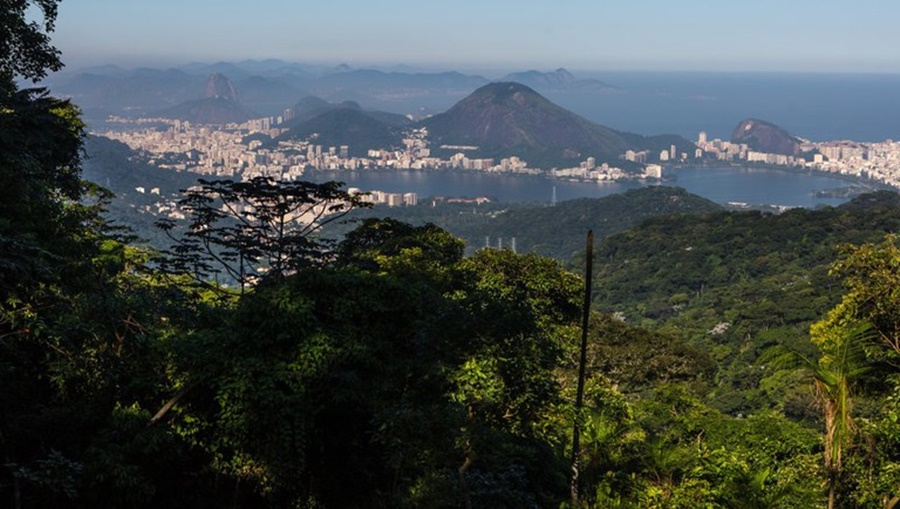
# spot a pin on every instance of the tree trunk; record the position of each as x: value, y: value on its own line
x: 831, y: 486
x: 582, y: 362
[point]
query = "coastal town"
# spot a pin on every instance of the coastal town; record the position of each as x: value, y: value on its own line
x: 878, y: 162
x: 247, y: 150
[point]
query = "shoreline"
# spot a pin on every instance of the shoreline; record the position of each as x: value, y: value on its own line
x: 873, y: 184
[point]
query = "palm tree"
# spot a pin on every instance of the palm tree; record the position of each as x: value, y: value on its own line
x: 834, y: 375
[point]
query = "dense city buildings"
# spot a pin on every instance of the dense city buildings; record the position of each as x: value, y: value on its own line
x: 879, y: 162
x: 248, y: 150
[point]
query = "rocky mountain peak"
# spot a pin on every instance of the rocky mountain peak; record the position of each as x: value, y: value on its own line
x: 219, y: 86
x: 766, y: 137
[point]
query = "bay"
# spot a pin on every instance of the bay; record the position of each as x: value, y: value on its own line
x: 755, y: 186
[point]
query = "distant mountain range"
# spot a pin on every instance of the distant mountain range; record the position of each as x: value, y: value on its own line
x: 559, y: 79
x: 501, y: 118
x: 270, y: 86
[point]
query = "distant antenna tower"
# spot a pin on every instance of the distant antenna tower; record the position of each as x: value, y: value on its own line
x: 553, y: 200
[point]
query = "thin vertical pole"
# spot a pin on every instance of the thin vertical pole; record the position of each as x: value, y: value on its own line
x: 582, y: 362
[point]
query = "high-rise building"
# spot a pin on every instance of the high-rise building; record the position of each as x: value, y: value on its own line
x: 702, y: 138
x: 394, y: 199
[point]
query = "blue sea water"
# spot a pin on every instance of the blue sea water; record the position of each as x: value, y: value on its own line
x: 815, y: 106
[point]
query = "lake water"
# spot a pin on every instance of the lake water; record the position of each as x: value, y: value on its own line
x: 721, y: 185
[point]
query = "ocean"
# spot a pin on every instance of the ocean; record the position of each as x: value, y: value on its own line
x: 814, y: 106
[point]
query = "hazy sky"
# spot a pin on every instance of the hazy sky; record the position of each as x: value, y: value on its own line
x: 779, y: 35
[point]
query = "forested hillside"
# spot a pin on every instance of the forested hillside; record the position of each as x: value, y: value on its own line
x: 737, y: 284
x: 390, y: 369
x: 554, y: 231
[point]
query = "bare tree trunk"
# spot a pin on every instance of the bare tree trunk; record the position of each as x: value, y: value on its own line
x: 582, y: 362
x: 831, y: 490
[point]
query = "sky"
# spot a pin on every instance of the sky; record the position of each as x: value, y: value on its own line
x: 662, y: 35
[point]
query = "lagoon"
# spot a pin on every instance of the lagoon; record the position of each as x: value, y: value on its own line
x: 755, y: 186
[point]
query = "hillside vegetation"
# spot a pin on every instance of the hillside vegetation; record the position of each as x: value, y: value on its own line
x: 553, y: 231
x: 389, y: 369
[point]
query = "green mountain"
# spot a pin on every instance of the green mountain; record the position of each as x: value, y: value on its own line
x: 115, y: 166
x: 557, y: 232
x: 507, y: 118
x: 737, y: 284
x: 345, y: 126
x: 310, y: 107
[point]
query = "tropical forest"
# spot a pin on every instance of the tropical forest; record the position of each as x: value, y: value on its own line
x: 689, y: 357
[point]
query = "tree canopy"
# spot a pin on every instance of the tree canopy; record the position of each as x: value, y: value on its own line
x: 25, y: 48
x: 390, y: 369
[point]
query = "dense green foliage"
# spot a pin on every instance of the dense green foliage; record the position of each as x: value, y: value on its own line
x: 738, y: 284
x: 392, y: 370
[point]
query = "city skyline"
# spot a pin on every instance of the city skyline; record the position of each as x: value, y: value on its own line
x: 693, y: 35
